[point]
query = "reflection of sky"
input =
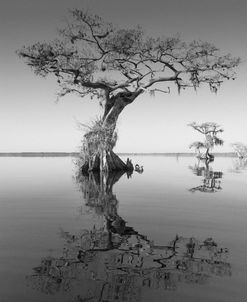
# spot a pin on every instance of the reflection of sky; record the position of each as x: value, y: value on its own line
x: 29, y: 119
x: 37, y: 197
x: 165, y: 184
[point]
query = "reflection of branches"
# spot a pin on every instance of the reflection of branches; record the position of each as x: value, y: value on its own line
x: 115, y: 262
x: 239, y: 165
x: 211, y: 179
x: 133, y: 265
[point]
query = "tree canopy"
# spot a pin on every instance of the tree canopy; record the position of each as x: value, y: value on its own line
x: 93, y: 57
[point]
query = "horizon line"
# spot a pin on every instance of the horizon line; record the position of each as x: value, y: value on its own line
x: 64, y: 154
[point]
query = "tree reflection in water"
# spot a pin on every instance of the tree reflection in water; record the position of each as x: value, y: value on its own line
x: 211, y: 182
x: 239, y: 165
x: 116, y: 263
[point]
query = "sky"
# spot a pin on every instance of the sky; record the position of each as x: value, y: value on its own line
x: 32, y: 120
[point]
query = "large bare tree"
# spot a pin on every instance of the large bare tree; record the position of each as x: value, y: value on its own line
x: 93, y: 58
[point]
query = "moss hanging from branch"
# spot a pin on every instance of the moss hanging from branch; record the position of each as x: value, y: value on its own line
x: 98, y: 138
x: 96, y: 151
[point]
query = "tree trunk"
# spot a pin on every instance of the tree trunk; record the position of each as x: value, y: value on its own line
x: 112, y: 163
x: 209, y: 157
x: 106, y: 159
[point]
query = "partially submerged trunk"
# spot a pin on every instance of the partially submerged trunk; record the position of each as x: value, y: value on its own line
x: 103, y: 158
x: 109, y: 162
x: 207, y: 157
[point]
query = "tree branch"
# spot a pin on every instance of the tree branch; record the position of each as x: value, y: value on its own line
x: 162, y: 79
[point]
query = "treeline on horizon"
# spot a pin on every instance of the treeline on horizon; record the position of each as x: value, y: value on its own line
x: 63, y: 154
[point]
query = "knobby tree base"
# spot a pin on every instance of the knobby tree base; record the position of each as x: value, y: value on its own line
x: 207, y: 157
x: 111, y: 162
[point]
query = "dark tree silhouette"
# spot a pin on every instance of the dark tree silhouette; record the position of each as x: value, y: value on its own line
x: 93, y: 58
x: 211, y: 139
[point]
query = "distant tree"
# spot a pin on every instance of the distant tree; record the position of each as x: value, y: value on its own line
x: 210, y: 132
x: 240, y: 149
x: 93, y: 58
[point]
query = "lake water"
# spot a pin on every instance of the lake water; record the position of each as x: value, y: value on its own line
x: 176, y: 232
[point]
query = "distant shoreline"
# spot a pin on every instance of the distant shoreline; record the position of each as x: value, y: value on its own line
x: 76, y: 154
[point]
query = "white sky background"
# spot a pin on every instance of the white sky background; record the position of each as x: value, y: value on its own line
x: 30, y: 120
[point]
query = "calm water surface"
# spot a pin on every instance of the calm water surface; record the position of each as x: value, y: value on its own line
x: 176, y: 232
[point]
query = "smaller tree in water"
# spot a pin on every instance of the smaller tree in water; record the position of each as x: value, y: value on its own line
x: 210, y: 131
x: 240, y: 149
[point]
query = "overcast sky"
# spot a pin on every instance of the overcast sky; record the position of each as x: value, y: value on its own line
x: 31, y: 120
